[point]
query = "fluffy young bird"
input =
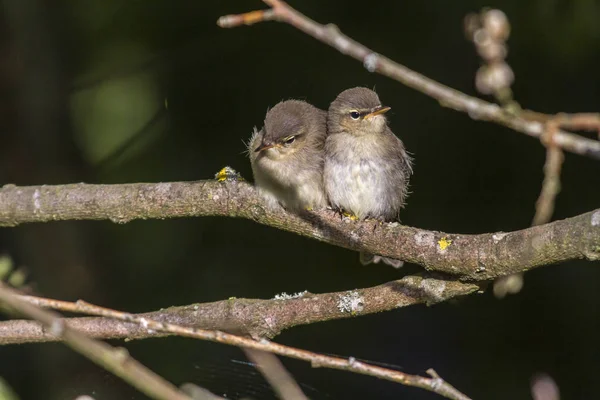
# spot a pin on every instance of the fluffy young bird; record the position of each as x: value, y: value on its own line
x: 367, y: 169
x: 287, y: 156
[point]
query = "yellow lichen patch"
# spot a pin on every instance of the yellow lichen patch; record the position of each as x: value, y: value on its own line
x: 349, y: 215
x: 309, y: 208
x: 444, y: 243
x: 221, y: 175
x: 228, y: 174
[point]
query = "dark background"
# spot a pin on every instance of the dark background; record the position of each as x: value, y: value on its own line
x: 147, y: 91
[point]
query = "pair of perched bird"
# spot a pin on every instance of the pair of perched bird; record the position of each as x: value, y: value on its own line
x: 347, y: 157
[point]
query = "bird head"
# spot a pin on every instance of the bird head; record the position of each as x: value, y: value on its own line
x: 357, y: 111
x: 287, y: 128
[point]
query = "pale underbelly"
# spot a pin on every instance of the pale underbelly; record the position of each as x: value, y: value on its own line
x: 366, y: 189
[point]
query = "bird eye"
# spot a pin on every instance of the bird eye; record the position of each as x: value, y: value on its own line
x: 289, y: 140
x: 354, y: 114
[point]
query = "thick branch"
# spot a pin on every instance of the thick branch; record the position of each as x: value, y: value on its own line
x: 373, y: 62
x: 470, y: 257
x: 258, y: 318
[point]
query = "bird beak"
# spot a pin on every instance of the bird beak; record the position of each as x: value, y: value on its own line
x: 376, y: 111
x: 265, y: 146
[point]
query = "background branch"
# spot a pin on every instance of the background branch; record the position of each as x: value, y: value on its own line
x: 373, y: 62
x: 258, y: 318
x: 470, y: 257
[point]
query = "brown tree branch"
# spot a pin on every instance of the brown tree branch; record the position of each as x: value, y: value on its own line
x: 117, y: 361
x: 469, y: 257
x: 257, y: 318
x: 373, y: 62
x: 434, y: 384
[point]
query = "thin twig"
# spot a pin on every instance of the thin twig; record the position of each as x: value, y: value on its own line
x: 544, y: 207
x: 373, y: 62
x: 117, y: 361
x: 434, y: 384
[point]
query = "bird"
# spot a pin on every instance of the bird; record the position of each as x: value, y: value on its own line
x: 367, y: 169
x: 286, y: 156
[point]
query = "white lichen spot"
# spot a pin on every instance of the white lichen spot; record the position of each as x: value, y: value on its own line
x: 499, y: 236
x: 351, y: 361
x: 285, y: 296
x: 36, y: 201
x: 196, y: 307
x: 596, y: 218
x: 370, y: 62
x: 434, y: 290
x: 163, y: 188
x: 351, y: 302
x: 426, y: 239
x: 144, y: 323
x: 216, y: 197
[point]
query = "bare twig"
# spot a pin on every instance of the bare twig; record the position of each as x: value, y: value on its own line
x: 117, y: 361
x: 373, y: 62
x: 470, y: 257
x: 434, y: 384
x: 580, y: 122
x: 544, y: 207
x: 258, y: 318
